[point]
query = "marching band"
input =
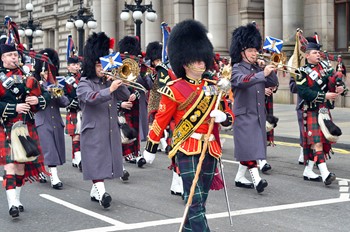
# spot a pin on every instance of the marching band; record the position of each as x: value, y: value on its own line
x: 107, y: 116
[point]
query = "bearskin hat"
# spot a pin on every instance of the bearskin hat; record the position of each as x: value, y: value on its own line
x: 244, y: 37
x: 39, y: 64
x: 97, y: 45
x: 154, y: 51
x: 188, y: 42
x: 131, y: 45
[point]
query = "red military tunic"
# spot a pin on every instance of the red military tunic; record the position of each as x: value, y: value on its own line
x: 178, y: 97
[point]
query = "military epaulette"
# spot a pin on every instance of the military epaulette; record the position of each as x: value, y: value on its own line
x: 173, y: 82
x: 167, y: 92
x: 162, y: 65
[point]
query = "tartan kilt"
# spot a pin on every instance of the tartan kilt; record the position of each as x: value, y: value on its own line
x: 5, y: 149
x: 32, y: 169
x: 132, y: 119
x: 313, y: 132
x: 71, y: 123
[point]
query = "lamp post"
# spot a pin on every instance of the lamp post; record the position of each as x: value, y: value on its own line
x: 30, y: 29
x: 137, y: 12
x: 84, y: 17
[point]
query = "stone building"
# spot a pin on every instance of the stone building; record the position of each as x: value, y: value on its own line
x: 277, y: 18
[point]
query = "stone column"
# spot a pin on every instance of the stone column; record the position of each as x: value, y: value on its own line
x: 217, y: 17
x: 109, y: 17
x: 201, y: 11
x: 45, y: 39
x: 152, y: 29
x: 96, y: 10
x: 273, y: 18
x: 183, y: 9
x: 293, y: 18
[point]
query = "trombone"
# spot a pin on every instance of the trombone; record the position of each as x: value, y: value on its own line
x: 127, y: 73
x: 278, y: 60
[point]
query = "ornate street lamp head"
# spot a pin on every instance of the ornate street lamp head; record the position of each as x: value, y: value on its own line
x: 125, y: 15
x: 29, y: 7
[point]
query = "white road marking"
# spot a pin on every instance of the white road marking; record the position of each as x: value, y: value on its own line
x: 343, y: 182
x: 344, y: 189
x: 82, y: 210
x: 219, y: 215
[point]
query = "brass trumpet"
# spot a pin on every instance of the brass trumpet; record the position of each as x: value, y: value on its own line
x: 127, y: 73
x: 278, y: 60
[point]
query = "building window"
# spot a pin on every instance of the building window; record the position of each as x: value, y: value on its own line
x: 342, y: 25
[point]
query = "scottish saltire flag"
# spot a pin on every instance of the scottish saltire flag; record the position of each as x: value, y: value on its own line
x: 272, y: 44
x: 111, y: 61
x: 165, y: 33
x: 61, y: 81
x: 70, y: 47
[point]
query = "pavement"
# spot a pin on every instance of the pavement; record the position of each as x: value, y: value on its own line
x: 288, y: 130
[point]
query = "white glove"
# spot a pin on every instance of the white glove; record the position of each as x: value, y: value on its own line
x: 149, y: 157
x: 218, y: 115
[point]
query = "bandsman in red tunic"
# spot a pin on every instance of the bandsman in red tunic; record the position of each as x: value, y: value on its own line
x: 190, y: 101
x: 20, y: 97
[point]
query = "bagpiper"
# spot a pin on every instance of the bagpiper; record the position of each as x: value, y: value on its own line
x: 20, y: 97
x: 73, y: 115
x: 319, y: 86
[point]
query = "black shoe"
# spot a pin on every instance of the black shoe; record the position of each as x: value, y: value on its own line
x: 244, y: 185
x: 106, y: 200
x: 317, y: 179
x: 175, y: 193
x: 21, y: 208
x: 266, y: 168
x: 141, y: 162
x: 14, y: 212
x: 125, y: 176
x: 80, y: 167
x: 301, y: 163
x: 59, y: 185
x: 262, y: 184
x: 330, y: 178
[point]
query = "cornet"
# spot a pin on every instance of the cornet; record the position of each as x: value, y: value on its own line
x: 127, y: 73
x: 56, y: 92
x: 279, y: 61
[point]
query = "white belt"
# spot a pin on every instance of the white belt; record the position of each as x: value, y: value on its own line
x: 200, y: 136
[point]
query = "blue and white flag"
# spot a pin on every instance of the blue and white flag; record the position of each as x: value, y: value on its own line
x: 111, y: 61
x: 165, y: 32
x: 272, y: 44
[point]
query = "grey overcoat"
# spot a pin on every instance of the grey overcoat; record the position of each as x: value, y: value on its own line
x: 100, y: 142
x: 50, y: 129
x: 249, y: 128
x: 143, y: 101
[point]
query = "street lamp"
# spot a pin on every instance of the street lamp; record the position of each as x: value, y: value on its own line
x: 137, y: 12
x: 84, y: 17
x: 30, y: 29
